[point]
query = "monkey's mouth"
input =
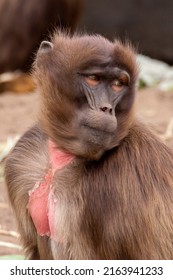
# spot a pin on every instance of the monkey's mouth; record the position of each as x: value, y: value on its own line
x: 95, y: 128
x: 96, y: 136
x: 97, y: 131
x: 104, y: 128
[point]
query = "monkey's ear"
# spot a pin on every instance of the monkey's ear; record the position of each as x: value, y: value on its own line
x: 45, y: 47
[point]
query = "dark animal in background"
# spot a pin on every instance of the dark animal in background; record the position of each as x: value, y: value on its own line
x: 25, y: 23
x: 127, y: 20
x: 89, y: 177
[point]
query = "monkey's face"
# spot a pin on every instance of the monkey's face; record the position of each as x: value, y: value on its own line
x: 87, y: 86
x: 96, y: 120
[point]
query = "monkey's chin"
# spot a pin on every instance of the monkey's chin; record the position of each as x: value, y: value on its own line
x: 94, y: 150
x: 96, y: 144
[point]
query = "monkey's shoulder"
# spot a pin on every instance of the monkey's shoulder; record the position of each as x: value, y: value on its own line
x: 143, y: 141
x: 29, y: 158
x: 31, y: 145
x: 139, y: 152
x: 143, y: 152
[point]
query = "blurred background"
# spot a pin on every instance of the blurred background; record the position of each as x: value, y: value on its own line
x: 148, y: 24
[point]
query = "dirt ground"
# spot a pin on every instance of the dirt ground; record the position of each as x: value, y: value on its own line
x: 19, y: 112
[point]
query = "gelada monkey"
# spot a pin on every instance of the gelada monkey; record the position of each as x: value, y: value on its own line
x: 89, y: 181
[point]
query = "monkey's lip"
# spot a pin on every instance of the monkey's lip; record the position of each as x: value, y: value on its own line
x: 97, y: 139
x: 95, y: 129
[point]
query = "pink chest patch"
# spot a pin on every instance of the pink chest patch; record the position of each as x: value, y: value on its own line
x: 42, y: 202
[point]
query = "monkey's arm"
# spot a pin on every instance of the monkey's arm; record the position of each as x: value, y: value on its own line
x: 26, y: 165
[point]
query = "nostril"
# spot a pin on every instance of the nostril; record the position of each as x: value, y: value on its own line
x: 106, y: 109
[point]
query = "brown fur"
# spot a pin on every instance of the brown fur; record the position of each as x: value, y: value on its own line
x: 113, y: 204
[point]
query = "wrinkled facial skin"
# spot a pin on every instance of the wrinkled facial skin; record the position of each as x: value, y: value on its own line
x: 102, y: 88
x: 87, y: 93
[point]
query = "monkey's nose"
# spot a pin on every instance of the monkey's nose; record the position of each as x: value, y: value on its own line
x: 106, y: 108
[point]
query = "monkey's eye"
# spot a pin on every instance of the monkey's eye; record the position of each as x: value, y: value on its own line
x: 117, y: 85
x: 92, y: 80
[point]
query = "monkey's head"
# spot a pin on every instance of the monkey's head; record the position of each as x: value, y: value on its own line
x: 87, y: 86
